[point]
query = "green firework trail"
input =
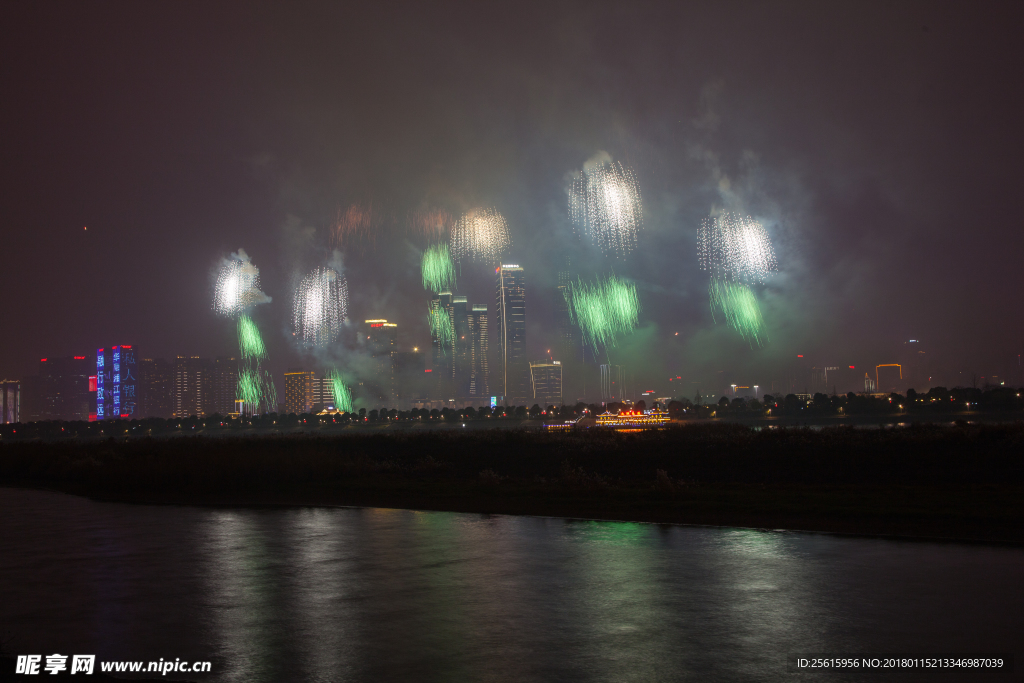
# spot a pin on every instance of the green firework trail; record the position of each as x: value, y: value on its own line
x: 342, y: 395
x: 441, y: 326
x: 250, y: 343
x: 738, y: 304
x: 438, y: 269
x: 603, y: 310
x: 256, y: 389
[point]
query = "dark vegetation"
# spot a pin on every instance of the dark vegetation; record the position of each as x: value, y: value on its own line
x: 958, y: 481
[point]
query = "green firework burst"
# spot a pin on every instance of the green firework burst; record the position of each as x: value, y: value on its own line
x: 603, y: 310
x: 256, y: 389
x: 438, y: 269
x: 342, y: 395
x: 737, y: 303
x: 250, y: 343
x: 441, y: 326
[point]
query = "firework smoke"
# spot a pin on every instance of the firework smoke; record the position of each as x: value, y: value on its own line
x: 342, y: 395
x: 238, y: 286
x: 603, y: 310
x: 734, y: 248
x: 321, y: 303
x: 737, y: 303
x: 604, y: 204
x: 438, y: 269
x: 480, y: 235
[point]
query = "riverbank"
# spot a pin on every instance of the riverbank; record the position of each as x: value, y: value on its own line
x: 962, y: 482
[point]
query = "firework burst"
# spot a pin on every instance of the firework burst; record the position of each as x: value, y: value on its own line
x: 249, y: 340
x: 480, y: 235
x: 321, y: 302
x: 603, y: 310
x: 360, y: 223
x: 238, y: 286
x: 605, y: 207
x: 737, y: 303
x: 342, y: 394
x: 432, y: 225
x: 441, y: 327
x: 438, y: 269
x: 735, y: 248
x: 256, y: 389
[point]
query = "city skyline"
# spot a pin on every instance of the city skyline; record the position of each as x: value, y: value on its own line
x: 867, y: 226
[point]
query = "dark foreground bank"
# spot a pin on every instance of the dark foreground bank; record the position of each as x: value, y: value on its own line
x: 960, y: 481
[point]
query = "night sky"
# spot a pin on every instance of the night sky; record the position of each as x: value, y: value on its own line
x: 880, y: 145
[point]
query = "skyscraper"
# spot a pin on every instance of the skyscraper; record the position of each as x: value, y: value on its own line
x: 10, y: 401
x: 156, y: 388
x: 511, y: 328
x: 463, y: 342
x: 192, y: 386
x: 569, y: 345
x: 612, y: 383
x: 299, y: 391
x: 546, y: 382
x: 117, y: 383
x: 442, y: 343
x: 479, y: 382
x: 382, y: 340
x: 224, y: 385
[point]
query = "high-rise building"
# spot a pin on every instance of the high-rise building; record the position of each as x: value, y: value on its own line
x: 156, y: 388
x: 224, y: 386
x: 462, y: 365
x: 382, y: 340
x: 298, y: 391
x: 546, y: 382
x: 569, y: 344
x: 10, y: 401
x: 479, y: 382
x: 59, y: 392
x: 510, y: 319
x: 442, y: 343
x: 117, y: 383
x: 192, y: 387
x: 412, y: 381
x: 613, y: 386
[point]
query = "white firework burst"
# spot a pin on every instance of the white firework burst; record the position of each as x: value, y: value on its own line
x: 605, y: 207
x: 735, y: 248
x: 321, y: 303
x: 238, y: 286
x: 480, y: 235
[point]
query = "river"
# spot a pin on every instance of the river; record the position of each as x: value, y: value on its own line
x: 369, y: 594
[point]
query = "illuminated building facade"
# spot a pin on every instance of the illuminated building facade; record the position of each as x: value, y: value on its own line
x: 117, y: 383
x: 479, y: 381
x: 634, y: 419
x: 382, y: 340
x: 156, y: 388
x: 546, y: 382
x: 510, y: 325
x: 192, y: 387
x: 442, y: 369
x: 299, y: 391
x: 613, y: 383
x: 223, y: 385
x: 10, y: 401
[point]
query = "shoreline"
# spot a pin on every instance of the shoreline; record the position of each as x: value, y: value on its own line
x: 920, y: 530
x: 952, y: 482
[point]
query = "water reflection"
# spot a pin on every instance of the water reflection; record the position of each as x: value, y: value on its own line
x: 394, y: 595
